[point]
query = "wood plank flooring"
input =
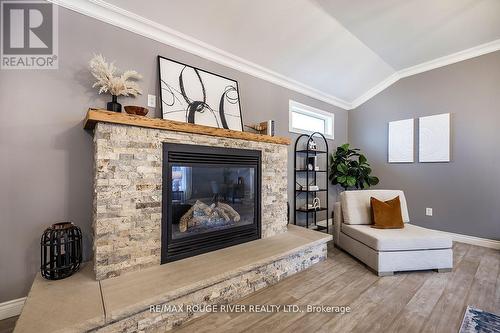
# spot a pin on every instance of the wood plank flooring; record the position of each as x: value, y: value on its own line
x: 424, y: 301
x: 406, y: 302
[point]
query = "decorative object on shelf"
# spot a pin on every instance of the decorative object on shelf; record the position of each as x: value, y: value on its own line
x: 109, y: 81
x: 312, y: 163
x: 195, y: 96
x: 311, y: 150
x: 60, y: 251
x: 316, y: 204
x: 350, y: 169
x: 265, y: 127
x: 269, y: 127
x: 309, y: 188
x: 434, y: 138
x: 312, y: 144
x: 400, y: 145
x: 114, y: 105
x: 137, y: 110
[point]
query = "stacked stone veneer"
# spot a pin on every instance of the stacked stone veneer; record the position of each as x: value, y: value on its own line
x: 128, y: 192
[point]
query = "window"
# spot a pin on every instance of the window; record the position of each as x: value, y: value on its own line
x: 305, y: 119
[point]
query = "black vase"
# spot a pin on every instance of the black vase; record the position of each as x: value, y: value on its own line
x: 114, y: 105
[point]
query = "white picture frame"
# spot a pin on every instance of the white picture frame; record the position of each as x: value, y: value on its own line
x: 434, y: 138
x: 401, y: 141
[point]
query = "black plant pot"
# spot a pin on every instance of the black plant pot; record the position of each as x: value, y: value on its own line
x: 114, y: 105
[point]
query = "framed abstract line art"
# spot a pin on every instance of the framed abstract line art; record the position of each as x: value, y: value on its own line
x: 400, y: 147
x: 192, y: 95
x: 434, y: 138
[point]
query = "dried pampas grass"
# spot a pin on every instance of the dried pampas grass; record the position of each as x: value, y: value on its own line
x: 108, y: 80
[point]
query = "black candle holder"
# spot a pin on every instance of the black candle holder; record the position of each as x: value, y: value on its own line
x: 60, y: 251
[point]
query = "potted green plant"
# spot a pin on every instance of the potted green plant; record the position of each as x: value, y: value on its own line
x: 350, y: 169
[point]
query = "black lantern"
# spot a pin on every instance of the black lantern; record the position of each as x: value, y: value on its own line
x: 60, y: 250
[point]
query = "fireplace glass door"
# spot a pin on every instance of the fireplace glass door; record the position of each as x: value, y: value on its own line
x: 211, y: 199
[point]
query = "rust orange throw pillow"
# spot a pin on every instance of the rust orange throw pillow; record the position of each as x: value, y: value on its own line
x: 386, y: 214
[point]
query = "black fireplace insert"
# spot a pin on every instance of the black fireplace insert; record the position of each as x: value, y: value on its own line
x: 211, y: 199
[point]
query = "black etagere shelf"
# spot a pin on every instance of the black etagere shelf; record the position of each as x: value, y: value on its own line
x: 303, y: 194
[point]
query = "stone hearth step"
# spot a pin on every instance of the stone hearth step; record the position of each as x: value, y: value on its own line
x: 80, y: 303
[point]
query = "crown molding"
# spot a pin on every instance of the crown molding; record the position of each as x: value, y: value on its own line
x: 453, y: 58
x: 124, y: 19
x: 114, y: 15
x: 427, y: 66
x: 391, y: 79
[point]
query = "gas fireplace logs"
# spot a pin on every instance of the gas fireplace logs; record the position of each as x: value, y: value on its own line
x: 202, y: 214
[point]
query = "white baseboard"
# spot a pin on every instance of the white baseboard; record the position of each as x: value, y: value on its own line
x: 484, y: 242
x: 11, y: 308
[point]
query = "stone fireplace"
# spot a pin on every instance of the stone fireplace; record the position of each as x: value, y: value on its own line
x: 129, y: 188
x: 165, y: 191
x: 211, y: 199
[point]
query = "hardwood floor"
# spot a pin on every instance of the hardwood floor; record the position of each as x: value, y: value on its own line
x: 406, y: 302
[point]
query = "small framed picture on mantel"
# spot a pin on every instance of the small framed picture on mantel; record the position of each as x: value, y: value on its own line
x: 192, y: 95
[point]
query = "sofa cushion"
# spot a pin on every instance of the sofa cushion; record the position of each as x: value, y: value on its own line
x: 356, y: 204
x: 386, y: 214
x: 411, y: 237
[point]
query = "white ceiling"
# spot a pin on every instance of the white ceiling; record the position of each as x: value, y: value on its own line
x: 341, y: 48
x: 405, y: 33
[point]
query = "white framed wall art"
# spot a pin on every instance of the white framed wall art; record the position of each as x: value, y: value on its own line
x: 401, y: 141
x: 434, y: 138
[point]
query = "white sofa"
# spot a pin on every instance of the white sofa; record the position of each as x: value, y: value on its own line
x: 388, y: 250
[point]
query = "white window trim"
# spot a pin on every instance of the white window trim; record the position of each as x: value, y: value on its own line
x: 329, y: 118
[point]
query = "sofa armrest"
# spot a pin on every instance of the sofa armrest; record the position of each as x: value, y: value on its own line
x: 337, y: 221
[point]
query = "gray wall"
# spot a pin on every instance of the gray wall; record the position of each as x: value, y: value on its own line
x: 465, y: 193
x: 46, y: 163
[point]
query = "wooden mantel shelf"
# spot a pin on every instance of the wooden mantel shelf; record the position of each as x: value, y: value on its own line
x: 97, y: 115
